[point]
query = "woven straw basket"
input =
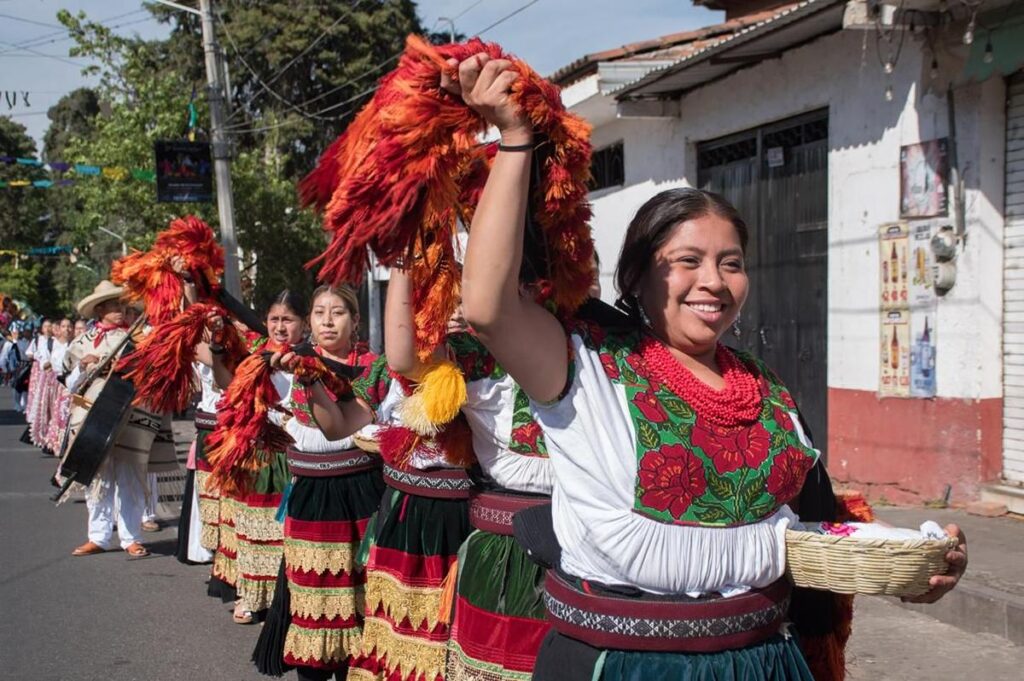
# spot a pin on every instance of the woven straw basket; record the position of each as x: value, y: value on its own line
x: 366, y: 444
x: 880, y: 567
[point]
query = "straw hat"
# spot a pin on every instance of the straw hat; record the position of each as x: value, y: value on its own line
x: 104, y: 291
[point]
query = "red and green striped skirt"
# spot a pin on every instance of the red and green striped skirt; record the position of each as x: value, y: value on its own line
x: 260, y: 535
x: 405, y: 635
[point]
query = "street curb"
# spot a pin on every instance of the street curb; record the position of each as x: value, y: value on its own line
x: 978, y: 609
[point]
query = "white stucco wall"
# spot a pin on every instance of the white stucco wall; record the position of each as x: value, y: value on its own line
x: 841, y: 72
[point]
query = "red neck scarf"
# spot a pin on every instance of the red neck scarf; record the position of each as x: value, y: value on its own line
x: 104, y: 329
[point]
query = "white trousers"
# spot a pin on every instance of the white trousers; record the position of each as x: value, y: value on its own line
x: 196, y: 552
x: 122, y: 495
x: 151, y: 499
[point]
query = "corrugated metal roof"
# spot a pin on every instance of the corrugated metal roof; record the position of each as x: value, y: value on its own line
x: 700, y: 64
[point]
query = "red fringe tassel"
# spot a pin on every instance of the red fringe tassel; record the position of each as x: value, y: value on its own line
x: 410, y: 165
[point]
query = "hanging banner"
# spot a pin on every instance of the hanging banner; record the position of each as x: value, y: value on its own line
x: 184, y: 172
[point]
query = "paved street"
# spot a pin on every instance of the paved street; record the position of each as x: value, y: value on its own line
x: 105, y: 618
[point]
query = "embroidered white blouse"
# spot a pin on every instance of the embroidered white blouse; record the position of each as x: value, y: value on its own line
x: 592, y: 440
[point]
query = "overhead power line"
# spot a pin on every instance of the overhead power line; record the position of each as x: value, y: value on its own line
x: 372, y: 70
x: 62, y: 36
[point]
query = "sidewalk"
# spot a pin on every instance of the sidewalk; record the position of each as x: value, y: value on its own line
x: 990, y: 596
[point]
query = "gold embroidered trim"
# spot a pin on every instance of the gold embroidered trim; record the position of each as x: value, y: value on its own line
x: 320, y: 557
x: 258, y: 524
x: 209, y: 536
x: 259, y: 560
x: 203, y: 488
x: 228, y: 510
x: 257, y: 594
x: 224, y: 568
x: 462, y: 667
x: 357, y: 674
x: 420, y: 604
x: 322, y: 645
x: 228, y: 538
x: 209, y: 510
x: 414, y: 656
x: 315, y: 602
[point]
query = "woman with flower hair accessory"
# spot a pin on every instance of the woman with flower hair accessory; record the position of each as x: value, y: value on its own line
x: 675, y: 459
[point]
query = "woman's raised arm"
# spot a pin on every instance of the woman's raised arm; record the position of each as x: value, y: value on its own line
x: 524, y: 338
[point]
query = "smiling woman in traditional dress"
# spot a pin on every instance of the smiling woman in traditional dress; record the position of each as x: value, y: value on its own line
x: 674, y: 457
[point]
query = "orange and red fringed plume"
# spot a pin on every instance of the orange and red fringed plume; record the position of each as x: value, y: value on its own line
x: 410, y: 166
x: 244, y: 437
x: 311, y: 369
x: 161, y: 364
x: 316, y: 188
x: 148, y: 276
x: 826, y: 655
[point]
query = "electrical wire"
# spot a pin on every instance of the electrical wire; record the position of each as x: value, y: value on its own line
x: 313, y: 44
x: 28, y: 21
x: 378, y: 67
x: 506, y: 17
x: 42, y: 40
x: 50, y: 56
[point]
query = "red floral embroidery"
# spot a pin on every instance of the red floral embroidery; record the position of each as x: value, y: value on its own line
x: 650, y: 407
x: 671, y: 478
x: 787, y: 474
x: 527, y: 435
x: 611, y: 367
x: 782, y: 418
x: 732, y: 449
x: 787, y: 399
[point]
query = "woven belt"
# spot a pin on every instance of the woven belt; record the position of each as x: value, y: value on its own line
x: 493, y: 511
x: 651, y: 624
x: 441, y: 483
x: 330, y: 464
x: 205, y: 420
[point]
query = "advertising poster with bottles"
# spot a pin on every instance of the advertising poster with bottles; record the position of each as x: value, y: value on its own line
x: 923, y: 308
x: 894, y: 370
x: 908, y: 305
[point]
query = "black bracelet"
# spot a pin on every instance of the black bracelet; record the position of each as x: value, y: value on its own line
x: 216, y: 348
x: 515, y: 147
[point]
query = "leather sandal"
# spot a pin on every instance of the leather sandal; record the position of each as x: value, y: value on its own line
x: 241, y: 615
x: 88, y: 549
x: 136, y: 550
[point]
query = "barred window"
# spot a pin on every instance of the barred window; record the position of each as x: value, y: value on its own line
x: 607, y: 167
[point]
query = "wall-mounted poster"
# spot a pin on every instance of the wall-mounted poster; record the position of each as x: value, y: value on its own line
x: 894, y: 375
x: 923, y: 309
x: 894, y: 253
x: 184, y: 173
x: 924, y: 169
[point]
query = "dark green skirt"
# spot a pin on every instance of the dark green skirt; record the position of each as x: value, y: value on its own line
x: 564, y: 659
x: 499, y: 620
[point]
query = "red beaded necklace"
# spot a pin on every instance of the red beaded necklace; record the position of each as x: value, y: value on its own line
x: 737, y: 404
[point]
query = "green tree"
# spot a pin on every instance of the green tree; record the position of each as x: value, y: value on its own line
x: 148, y: 101
x: 304, y: 65
x: 72, y: 117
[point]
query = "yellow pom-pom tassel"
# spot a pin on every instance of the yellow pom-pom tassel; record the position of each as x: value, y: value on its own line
x: 436, y: 401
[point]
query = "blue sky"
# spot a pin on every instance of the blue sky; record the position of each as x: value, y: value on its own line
x: 548, y: 34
